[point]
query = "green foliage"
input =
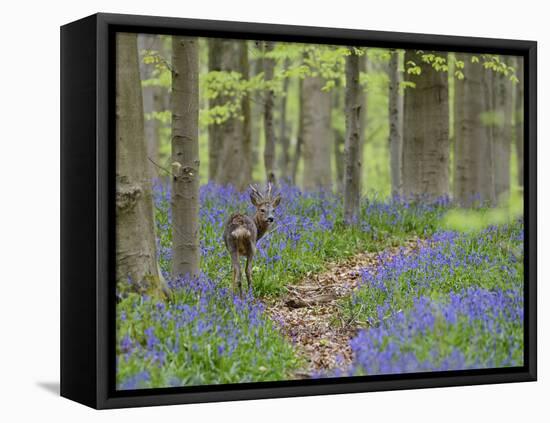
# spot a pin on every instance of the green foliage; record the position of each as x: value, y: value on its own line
x: 164, y: 116
x: 413, y: 68
x: 442, y: 63
x: 439, y: 63
x: 498, y: 65
x: 198, y: 350
x: 478, y: 219
x: 403, y: 85
x: 483, y: 262
x: 381, y: 227
x: 160, y: 72
x: 296, y: 61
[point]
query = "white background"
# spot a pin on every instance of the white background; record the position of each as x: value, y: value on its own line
x: 29, y: 180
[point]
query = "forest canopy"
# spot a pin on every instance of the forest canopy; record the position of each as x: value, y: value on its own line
x: 233, y: 87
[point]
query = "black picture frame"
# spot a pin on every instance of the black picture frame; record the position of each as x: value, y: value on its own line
x: 87, y: 211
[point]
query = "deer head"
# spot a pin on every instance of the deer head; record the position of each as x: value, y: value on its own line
x: 265, y: 204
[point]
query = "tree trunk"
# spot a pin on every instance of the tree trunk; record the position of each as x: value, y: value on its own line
x: 234, y: 162
x: 256, y: 107
x: 426, y: 133
x: 136, y: 255
x: 150, y: 94
x: 300, y: 137
x: 352, y: 172
x: 185, y: 157
x: 487, y: 149
x: 269, y: 127
x: 246, y: 162
x: 473, y: 149
x: 284, y: 135
x: 339, y: 143
x: 316, y: 135
x: 502, y: 133
x: 518, y: 118
x: 339, y: 137
x: 395, y: 114
x: 364, y: 64
x: 215, y: 133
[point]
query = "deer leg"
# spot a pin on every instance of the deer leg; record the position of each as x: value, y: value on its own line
x: 248, y: 270
x: 239, y: 279
x: 236, y: 272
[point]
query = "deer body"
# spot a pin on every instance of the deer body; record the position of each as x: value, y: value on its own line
x: 242, y: 232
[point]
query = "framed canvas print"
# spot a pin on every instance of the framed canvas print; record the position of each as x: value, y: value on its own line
x: 255, y: 211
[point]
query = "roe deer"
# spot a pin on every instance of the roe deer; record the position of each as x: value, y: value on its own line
x: 243, y: 232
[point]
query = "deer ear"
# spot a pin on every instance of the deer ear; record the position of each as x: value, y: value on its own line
x: 276, y: 201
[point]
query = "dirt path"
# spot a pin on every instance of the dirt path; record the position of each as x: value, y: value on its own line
x: 311, y: 316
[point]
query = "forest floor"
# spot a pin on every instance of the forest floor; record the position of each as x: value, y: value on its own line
x: 311, y: 314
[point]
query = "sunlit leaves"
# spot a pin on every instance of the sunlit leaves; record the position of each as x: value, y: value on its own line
x: 412, y: 68
x: 164, y: 116
x: 439, y: 63
x: 499, y: 65
x: 403, y: 85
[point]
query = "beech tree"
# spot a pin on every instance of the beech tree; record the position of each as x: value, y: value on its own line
x: 284, y: 130
x: 473, y: 175
x: 488, y: 148
x: 353, y: 159
x: 151, y: 97
x: 246, y: 110
x: 518, y: 119
x: 215, y: 133
x: 339, y: 135
x: 395, y: 113
x: 300, y: 137
x: 185, y: 157
x: 235, y: 159
x: 269, y: 125
x: 502, y: 132
x: 136, y: 255
x: 426, y: 131
x: 316, y: 134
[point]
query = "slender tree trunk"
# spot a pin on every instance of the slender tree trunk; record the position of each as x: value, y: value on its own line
x: 256, y: 107
x: 215, y: 133
x: 235, y: 161
x: 339, y: 142
x: 352, y: 172
x: 246, y: 162
x: 136, y: 255
x: 316, y: 135
x: 363, y: 68
x: 426, y: 133
x: 149, y: 42
x: 519, y: 140
x: 185, y: 157
x: 300, y: 137
x: 284, y: 135
x: 161, y: 102
x: 395, y: 114
x: 269, y: 126
x: 487, y: 149
x: 473, y: 149
x: 339, y: 135
x: 504, y: 109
